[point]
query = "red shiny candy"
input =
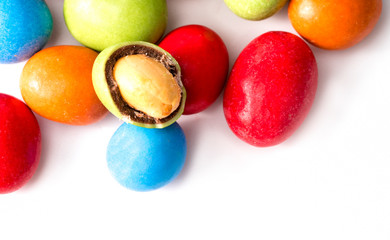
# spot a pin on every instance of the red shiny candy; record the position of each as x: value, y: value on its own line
x: 271, y: 89
x: 20, y: 144
x: 204, y: 63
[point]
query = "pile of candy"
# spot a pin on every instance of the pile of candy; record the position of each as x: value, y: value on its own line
x: 121, y: 70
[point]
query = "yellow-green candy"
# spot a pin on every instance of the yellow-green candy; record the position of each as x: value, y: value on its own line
x: 255, y: 9
x: 99, y: 24
x: 140, y: 83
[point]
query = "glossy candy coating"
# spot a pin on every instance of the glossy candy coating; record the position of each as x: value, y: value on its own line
x: 99, y: 24
x: 204, y: 62
x: 334, y: 24
x: 25, y: 27
x: 143, y: 159
x: 20, y: 144
x: 56, y: 83
x: 271, y: 89
x: 255, y: 9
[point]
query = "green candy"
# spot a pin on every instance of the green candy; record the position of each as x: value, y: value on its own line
x: 255, y: 9
x: 99, y: 24
x: 113, y: 92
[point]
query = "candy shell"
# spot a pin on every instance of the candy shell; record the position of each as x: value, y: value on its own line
x: 143, y: 159
x: 99, y: 24
x: 255, y: 9
x: 204, y: 62
x: 271, y: 89
x: 334, y: 24
x: 56, y: 83
x: 25, y: 27
x: 20, y: 144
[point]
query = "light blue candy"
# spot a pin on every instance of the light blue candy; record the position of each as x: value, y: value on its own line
x: 25, y: 27
x: 144, y: 159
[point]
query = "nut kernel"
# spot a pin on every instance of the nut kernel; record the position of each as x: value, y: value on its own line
x: 146, y: 85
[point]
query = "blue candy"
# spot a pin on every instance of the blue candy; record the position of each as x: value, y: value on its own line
x: 144, y: 159
x: 25, y: 27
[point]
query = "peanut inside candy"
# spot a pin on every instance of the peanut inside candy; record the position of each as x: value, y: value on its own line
x: 147, y: 86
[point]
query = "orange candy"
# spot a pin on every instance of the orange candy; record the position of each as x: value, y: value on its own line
x: 56, y: 83
x: 334, y: 24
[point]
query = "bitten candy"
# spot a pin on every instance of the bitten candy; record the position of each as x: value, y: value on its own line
x: 143, y: 159
x: 139, y: 83
x: 20, y: 144
x: 271, y: 89
x: 25, y: 27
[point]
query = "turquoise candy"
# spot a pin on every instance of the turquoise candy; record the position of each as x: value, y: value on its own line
x: 25, y: 27
x: 144, y: 159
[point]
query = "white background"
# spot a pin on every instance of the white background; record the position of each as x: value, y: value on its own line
x: 330, y: 180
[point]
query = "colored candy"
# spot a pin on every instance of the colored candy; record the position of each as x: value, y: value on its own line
x: 204, y: 62
x: 20, y: 144
x: 56, y: 83
x: 140, y: 83
x: 103, y: 23
x: 25, y: 27
x: 334, y: 24
x: 271, y: 89
x: 143, y: 159
x: 255, y: 9
x: 269, y: 92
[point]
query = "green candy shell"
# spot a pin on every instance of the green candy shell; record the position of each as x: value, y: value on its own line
x: 99, y: 24
x: 103, y: 91
x: 255, y: 9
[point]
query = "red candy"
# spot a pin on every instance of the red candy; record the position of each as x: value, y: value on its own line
x: 20, y: 144
x: 271, y: 89
x: 204, y: 62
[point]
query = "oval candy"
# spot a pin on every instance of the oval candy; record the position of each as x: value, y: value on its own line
x: 334, y: 24
x: 144, y: 159
x: 56, y: 83
x: 20, y: 144
x: 255, y: 9
x: 25, y: 27
x: 204, y: 62
x: 270, y: 89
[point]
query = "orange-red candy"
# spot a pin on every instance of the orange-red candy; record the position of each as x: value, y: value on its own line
x: 334, y: 24
x: 56, y: 83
